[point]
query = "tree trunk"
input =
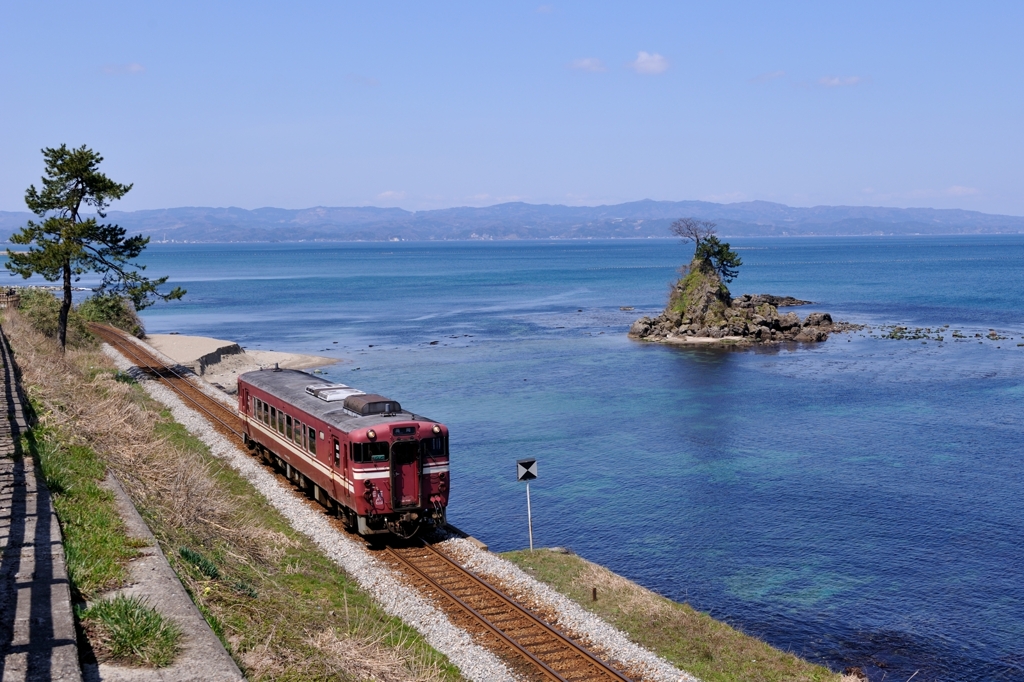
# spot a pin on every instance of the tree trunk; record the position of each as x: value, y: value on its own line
x: 65, y: 308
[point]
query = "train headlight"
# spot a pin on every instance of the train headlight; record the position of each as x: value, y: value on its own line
x: 437, y: 429
x: 371, y: 434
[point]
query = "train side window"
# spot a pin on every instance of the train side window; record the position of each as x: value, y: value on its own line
x: 288, y: 427
x: 300, y: 431
x: 280, y: 421
x: 312, y: 440
x: 273, y: 417
x: 265, y: 415
x: 337, y: 453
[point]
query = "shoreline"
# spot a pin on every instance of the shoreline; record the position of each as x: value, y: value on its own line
x: 219, y: 362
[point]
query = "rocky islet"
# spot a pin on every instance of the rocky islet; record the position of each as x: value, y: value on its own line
x: 701, y: 310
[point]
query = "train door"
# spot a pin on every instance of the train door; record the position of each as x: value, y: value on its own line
x: 340, y: 470
x: 405, y: 475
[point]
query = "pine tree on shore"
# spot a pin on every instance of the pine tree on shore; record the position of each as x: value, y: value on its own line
x: 65, y: 244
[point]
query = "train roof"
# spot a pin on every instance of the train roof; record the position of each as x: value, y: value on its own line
x: 342, y: 406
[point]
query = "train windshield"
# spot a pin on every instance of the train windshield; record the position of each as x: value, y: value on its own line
x: 369, y: 452
x: 435, y: 448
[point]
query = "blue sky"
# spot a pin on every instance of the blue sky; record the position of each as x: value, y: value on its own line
x: 427, y: 105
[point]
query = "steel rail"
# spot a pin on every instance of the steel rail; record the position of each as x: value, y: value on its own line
x: 115, y: 338
x: 480, y: 618
x: 603, y: 669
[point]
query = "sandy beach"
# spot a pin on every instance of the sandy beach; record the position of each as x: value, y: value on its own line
x: 220, y: 362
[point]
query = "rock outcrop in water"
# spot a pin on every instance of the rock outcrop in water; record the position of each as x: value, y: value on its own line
x: 701, y: 310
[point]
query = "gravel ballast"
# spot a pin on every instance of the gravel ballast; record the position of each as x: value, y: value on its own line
x: 596, y: 633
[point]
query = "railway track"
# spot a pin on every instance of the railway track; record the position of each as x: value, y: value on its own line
x: 552, y: 654
x: 539, y: 648
x: 224, y: 419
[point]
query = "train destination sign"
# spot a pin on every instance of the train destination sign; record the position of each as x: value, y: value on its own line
x: 526, y: 469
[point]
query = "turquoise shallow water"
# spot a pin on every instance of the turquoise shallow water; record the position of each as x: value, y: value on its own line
x: 858, y: 502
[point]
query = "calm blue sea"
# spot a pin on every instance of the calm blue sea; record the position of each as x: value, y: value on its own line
x: 859, y: 502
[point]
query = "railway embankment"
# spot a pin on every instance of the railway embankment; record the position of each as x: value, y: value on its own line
x: 279, y: 605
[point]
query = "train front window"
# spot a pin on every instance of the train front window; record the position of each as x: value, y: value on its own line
x: 369, y: 452
x: 435, y: 448
x: 405, y: 452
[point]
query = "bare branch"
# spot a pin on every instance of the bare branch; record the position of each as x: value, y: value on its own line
x: 693, y: 230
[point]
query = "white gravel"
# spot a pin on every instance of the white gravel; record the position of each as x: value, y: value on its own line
x: 475, y: 662
x: 594, y: 631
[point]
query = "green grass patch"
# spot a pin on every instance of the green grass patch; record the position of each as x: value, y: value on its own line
x: 689, y: 639
x: 128, y: 631
x: 204, y: 565
x: 96, y: 543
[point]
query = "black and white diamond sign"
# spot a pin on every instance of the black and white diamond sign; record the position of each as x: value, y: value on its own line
x: 526, y: 469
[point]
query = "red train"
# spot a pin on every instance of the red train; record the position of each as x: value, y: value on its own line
x: 381, y: 468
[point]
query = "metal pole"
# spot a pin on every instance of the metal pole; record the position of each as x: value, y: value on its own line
x: 529, y: 514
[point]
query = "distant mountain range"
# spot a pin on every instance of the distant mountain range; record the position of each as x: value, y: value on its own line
x: 637, y: 219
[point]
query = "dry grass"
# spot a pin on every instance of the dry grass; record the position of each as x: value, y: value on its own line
x: 284, y: 610
x: 694, y: 641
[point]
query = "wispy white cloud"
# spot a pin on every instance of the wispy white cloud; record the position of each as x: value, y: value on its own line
x: 591, y: 64
x: 768, y: 76
x: 725, y: 198
x: 391, y: 195
x: 362, y: 80
x: 960, y: 191
x: 649, y: 64
x: 921, y: 194
x: 839, y: 81
x: 485, y: 199
x: 132, y: 69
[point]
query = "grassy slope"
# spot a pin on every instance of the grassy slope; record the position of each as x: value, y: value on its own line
x: 96, y: 543
x: 691, y: 640
x: 284, y: 610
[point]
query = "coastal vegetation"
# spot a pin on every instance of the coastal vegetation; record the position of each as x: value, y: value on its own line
x: 707, y: 248
x: 282, y: 609
x: 42, y: 309
x: 694, y: 641
x: 65, y: 244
